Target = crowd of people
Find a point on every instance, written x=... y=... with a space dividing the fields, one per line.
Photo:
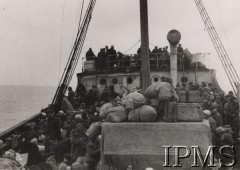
x=111 y=60
x=60 y=140
x=222 y=111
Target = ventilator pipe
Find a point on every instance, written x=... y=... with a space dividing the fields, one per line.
x=173 y=38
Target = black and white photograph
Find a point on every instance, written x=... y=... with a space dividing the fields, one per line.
x=119 y=84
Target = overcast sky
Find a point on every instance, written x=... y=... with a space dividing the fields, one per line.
x=31 y=33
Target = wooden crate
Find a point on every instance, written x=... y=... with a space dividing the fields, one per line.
x=183 y=112
x=192 y=96
x=189 y=112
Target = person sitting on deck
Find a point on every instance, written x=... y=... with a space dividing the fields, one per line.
x=78 y=140
x=90 y=55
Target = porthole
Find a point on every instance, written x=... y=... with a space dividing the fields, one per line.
x=156 y=79
x=114 y=81
x=184 y=79
x=103 y=82
x=129 y=80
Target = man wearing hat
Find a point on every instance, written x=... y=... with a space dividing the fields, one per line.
x=216 y=116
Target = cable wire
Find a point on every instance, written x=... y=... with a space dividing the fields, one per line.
x=132 y=47
x=60 y=62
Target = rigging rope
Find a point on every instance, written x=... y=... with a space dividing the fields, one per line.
x=60 y=62
x=81 y=13
x=74 y=57
x=224 y=29
x=76 y=18
x=132 y=47
x=224 y=58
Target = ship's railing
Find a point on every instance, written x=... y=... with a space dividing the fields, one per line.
x=132 y=62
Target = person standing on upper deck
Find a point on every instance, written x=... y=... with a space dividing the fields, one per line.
x=153 y=57
x=112 y=56
x=180 y=56
x=90 y=55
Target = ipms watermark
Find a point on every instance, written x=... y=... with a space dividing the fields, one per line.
x=225 y=154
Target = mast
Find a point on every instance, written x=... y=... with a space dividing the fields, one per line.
x=145 y=70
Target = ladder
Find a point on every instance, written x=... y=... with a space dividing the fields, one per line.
x=222 y=54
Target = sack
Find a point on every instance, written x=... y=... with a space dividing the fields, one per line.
x=94 y=131
x=104 y=110
x=144 y=113
x=67 y=106
x=8 y=163
x=118 y=115
x=134 y=100
x=161 y=90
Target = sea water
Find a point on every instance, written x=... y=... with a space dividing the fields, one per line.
x=18 y=103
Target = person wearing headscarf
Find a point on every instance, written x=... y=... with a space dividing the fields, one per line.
x=212 y=124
